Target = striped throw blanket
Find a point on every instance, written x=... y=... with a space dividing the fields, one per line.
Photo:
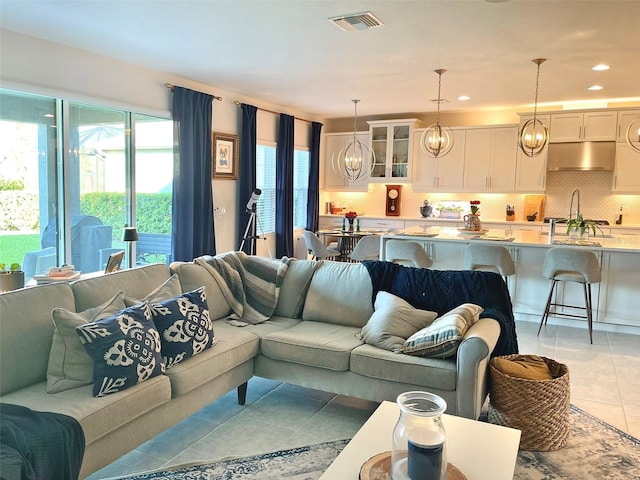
x=250 y=284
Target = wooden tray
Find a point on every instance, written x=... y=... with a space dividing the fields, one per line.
x=378 y=467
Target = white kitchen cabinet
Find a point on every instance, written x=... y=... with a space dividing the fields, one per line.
x=391 y=143
x=443 y=174
x=333 y=143
x=381 y=224
x=625 y=117
x=618 y=301
x=531 y=172
x=626 y=176
x=490 y=159
x=583 y=126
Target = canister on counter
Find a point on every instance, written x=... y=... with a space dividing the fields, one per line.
x=511 y=213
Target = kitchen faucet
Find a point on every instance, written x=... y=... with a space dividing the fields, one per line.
x=573 y=194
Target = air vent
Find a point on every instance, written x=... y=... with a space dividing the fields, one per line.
x=357 y=21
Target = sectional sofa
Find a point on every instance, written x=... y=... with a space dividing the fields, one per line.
x=312 y=339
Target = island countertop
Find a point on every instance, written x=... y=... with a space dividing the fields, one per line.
x=515 y=236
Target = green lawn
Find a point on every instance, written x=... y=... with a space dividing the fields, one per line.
x=13 y=247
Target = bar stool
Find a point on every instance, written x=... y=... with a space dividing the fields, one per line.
x=489 y=258
x=408 y=253
x=563 y=264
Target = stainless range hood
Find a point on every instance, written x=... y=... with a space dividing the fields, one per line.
x=582 y=156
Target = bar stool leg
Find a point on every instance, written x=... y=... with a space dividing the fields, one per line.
x=545 y=316
x=587 y=301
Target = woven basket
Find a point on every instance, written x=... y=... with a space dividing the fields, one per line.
x=538 y=408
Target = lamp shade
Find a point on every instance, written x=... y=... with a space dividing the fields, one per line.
x=130 y=234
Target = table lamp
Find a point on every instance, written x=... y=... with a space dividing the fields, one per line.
x=130 y=235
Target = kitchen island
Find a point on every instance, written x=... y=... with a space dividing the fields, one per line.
x=614 y=298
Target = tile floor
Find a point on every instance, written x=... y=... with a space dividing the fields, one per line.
x=605 y=381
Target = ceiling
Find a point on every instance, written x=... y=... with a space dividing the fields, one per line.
x=287 y=52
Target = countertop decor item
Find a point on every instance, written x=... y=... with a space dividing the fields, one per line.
x=534 y=135
x=426 y=210
x=436 y=140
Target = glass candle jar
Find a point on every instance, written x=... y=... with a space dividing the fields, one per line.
x=419 y=445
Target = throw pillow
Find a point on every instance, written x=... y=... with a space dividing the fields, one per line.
x=125 y=349
x=169 y=289
x=442 y=338
x=184 y=326
x=530 y=367
x=393 y=321
x=69 y=364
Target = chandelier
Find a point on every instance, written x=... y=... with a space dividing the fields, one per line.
x=436 y=140
x=633 y=134
x=534 y=135
x=356 y=160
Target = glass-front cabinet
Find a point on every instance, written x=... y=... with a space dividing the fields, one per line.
x=391 y=144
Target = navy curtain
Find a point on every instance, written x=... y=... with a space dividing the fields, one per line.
x=192 y=222
x=313 y=194
x=284 y=188
x=246 y=173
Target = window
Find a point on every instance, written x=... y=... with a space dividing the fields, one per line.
x=300 y=187
x=64 y=193
x=266 y=181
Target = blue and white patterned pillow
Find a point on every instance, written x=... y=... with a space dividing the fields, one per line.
x=184 y=325
x=125 y=349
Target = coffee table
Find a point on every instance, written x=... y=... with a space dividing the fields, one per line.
x=481 y=451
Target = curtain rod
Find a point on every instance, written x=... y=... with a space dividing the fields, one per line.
x=275 y=113
x=170 y=87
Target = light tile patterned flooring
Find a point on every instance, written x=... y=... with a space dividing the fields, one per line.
x=605 y=381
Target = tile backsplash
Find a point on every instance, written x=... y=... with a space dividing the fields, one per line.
x=596 y=199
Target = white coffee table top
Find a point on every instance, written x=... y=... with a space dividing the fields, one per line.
x=481 y=451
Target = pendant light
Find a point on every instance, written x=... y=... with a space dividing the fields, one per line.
x=633 y=134
x=356 y=160
x=534 y=135
x=436 y=140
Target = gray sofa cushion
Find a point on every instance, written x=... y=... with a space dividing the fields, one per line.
x=294 y=288
x=169 y=289
x=98 y=416
x=340 y=293
x=318 y=344
x=375 y=362
x=194 y=276
x=26 y=331
x=234 y=346
x=136 y=283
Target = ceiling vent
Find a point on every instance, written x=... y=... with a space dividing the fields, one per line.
x=357 y=21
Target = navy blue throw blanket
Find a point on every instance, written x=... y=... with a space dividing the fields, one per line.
x=443 y=290
x=39 y=445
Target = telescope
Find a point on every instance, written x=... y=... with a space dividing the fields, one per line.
x=251 y=204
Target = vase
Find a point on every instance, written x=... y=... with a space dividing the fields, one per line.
x=472 y=222
x=11 y=281
x=419 y=439
x=350 y=220
x=578 y=236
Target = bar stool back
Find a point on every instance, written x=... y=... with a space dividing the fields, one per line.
x=566 y=264
x=489 y=258
x=408 y=253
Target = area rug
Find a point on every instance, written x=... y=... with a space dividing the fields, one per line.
x=595 y=451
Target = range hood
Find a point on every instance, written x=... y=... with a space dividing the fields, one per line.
x=583 y=156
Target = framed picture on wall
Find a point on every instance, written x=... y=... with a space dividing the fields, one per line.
x=225 y=156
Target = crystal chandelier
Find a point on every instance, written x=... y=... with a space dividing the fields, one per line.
x=356 y=160
x=534 y=135
x=436 y=140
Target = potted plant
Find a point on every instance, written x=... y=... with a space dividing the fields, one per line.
x=580 y=228
x=11 y=277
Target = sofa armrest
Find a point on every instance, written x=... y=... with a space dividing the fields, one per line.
x=472 y=363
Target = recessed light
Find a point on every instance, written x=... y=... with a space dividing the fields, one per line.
x=595 y=87
x=600 y=67
x=463 y=98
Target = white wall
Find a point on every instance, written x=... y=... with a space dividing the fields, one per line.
x=32 y=65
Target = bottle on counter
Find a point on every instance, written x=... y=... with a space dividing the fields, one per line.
x=619 y=220
x=511 y=213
